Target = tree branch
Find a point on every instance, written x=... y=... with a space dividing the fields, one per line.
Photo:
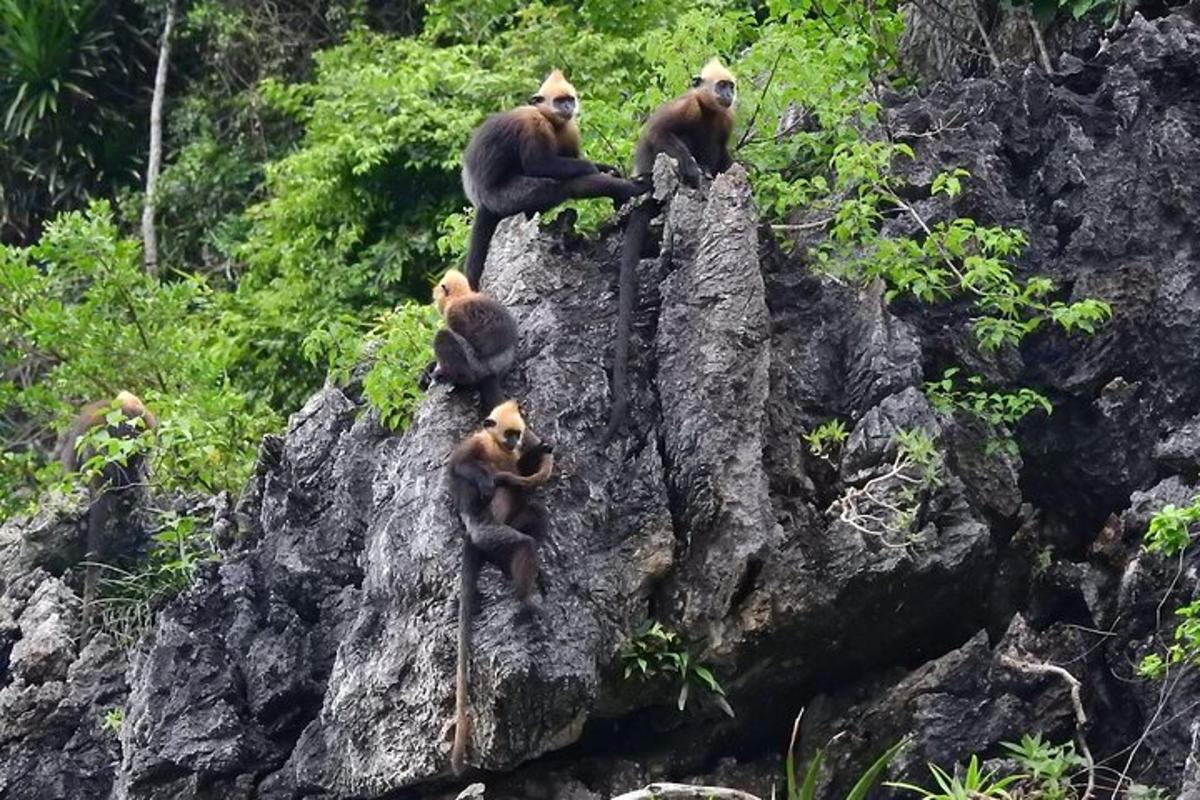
x=1076 y=703
x=154 y=165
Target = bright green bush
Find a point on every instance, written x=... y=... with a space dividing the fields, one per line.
x=79 y=321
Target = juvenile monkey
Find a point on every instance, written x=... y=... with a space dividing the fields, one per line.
x=478 y=344
x=491 y=472
x=694 y=130
x=113 y=478
x=527 y=160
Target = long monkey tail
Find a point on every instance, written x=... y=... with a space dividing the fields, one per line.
x=491 y=394
x=482 y=230
x=462 y=722
x=631 y=254
x=97 y=518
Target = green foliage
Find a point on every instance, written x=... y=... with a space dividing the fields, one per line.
x=975 y=783
x=399 y=345
x=1001 y=410
x=1050 y=767
x=658 y=654
x=67 y=111
x=826 y=440
x=129 y=598
x=113 y=720
x=959 y=259
x=1140 y=791
x=808 y=789
x=79 y=320
x=995 y=408
x=1170 y=533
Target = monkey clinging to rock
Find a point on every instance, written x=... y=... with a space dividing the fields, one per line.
x=491 y=473
x=693 y=129
x=477 y=346
x=132 y=421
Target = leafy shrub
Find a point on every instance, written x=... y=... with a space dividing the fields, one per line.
x=1170 y=533
x=1050 y=767
x=657 y=654
x=826 y=440
x=807 y=790
x=79 y=320
x=70 y=109
x=975 y=783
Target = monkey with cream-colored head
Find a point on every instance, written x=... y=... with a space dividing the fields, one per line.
x=492 y=473
x=477 y=346
x=693 y=129
x=132 y=421
x=527 y=160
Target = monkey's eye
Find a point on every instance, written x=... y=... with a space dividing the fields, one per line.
x=697 y=80
x=726 y=85
x=537 y=100
x=512 y=433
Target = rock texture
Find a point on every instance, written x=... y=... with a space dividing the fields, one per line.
x=317 y=659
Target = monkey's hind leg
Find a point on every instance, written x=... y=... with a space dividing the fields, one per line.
x=514 y=552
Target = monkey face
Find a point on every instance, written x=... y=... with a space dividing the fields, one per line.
x=717 y=84
x=556 y=98
x=506 y=426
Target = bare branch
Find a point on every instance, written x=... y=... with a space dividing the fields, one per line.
x=154 y=165
x=1075 y=686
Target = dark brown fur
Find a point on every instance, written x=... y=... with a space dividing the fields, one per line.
x=113 y=479
x=694 y=130
x=492 y=472
x=527 y=161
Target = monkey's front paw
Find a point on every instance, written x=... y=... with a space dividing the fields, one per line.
x=608 y=169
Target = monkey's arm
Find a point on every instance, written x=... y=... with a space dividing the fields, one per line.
x=466 y=465
x=536 y=479
x=539 y=161
x=664 y=141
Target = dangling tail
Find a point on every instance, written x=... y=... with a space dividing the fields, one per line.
x=482 y=230
x=631 y=254
x=491 y=394
x=97 y=517
x=462 y=722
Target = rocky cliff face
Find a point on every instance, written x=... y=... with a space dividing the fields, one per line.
x=317 y=659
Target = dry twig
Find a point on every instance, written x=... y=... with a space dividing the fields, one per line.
x=1075 y=686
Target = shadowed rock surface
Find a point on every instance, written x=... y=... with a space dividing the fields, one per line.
x=317 y=659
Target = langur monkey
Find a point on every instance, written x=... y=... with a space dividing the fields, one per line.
x=477 y=346
x=527 y=160
x=694 y=130
x=112 y=479
x=492 y=472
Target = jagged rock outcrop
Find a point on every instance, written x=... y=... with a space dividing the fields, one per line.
x=317 y=659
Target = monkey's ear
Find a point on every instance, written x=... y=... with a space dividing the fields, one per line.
x=537 y=99
x=489 y=423
x=697 y=80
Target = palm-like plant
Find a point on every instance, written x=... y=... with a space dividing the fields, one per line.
x=65 y=97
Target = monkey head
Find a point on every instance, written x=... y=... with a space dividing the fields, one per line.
x=452 y=287
x=506 y=426
x=715 y=85
x=556 y=99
